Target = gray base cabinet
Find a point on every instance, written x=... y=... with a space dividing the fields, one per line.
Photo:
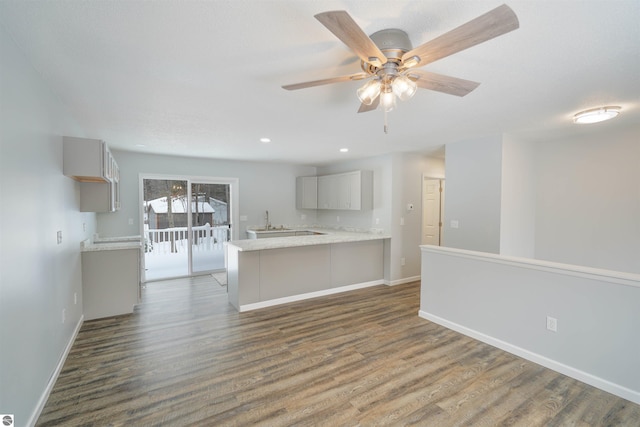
x=110 y=282
x=273 y=276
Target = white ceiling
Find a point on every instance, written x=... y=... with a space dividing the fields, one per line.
x=203 y=78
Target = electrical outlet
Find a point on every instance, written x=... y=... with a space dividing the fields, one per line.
x=59 y=236
x=402 y=261
x=84 y=226
x=552 y=324
x=337 y=219
x=377 y=221
x=130 y=221
x=75 y=298
x=64 y=314
x=454 y=223
x=402 y=221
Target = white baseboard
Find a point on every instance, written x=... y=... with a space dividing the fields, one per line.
x=585 y=377
x=278 y=301
x=54 y=377
x=402 y=281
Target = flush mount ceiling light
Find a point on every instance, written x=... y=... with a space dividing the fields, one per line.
x=344 y=150
x=595 y=115
x=265 y=140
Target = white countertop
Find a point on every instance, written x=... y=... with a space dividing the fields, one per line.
x=98 y=239
x=330 y=236
x=110 y=244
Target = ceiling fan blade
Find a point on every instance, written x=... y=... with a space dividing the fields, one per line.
x=345 y=28
x=364 y=107
x=296 y=86
x=441 y=83
x=494 y=23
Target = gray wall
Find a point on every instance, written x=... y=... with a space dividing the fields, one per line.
x=397 y=182
x=271 y=186
x=505 y=302
x=262 y=186
x=38 y=277
x=575 y=200
x=382 y=181
x=414 y=167
x=473 y=171
x=588 y=199
x=518 y=199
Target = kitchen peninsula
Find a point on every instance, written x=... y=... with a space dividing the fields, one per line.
x=277 y=270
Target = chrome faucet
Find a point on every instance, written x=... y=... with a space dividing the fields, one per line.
x=267 y=223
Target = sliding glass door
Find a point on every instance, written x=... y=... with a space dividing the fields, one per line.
x=166 y=250
x=211 y=225
x=186 y=223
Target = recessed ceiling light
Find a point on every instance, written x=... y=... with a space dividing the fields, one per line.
x=595 y=115
x=140 y=145
x=265 y=140
x=344 y=150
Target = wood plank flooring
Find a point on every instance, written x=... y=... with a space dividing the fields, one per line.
x=358 y=358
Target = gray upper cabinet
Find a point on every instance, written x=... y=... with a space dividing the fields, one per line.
x=307 y=192
x=90 y=162
x=87 y=160
x=345 y=191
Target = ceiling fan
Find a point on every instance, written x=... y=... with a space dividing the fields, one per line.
x=389 y=61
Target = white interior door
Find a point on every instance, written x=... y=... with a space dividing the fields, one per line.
x=431 y=204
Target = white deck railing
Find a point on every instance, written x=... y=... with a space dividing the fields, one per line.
x=176 y=239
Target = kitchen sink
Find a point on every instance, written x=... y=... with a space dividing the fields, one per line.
x=270 y=229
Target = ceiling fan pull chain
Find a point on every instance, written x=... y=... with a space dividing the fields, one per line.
x=386 y=126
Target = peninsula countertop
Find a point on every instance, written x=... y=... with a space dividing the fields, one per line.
x=328 y=236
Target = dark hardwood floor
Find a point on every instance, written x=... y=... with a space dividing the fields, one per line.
x=358 y=358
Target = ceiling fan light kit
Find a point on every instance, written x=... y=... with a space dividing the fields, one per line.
x=389 y=60
x=404 y=87
x=596 y=115
x=369 y=92
x=387 y=100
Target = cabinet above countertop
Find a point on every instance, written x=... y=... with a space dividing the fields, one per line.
x=342 y=191
x=87 y=160
x=90 y=162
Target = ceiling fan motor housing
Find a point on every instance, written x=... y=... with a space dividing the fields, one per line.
x=392 y=42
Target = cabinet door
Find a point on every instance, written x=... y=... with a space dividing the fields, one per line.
x=85 y=160
x=307 y=192
x=328 y=192
x=96 y=197
x=344 y=191
x=355 y=191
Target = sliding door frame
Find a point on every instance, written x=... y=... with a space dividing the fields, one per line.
x=234 y=206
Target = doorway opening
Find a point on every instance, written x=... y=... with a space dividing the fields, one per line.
x=186 y=222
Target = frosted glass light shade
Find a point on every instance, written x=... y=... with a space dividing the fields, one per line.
x=387 y=101
x=404 y=87
x=369 y=92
